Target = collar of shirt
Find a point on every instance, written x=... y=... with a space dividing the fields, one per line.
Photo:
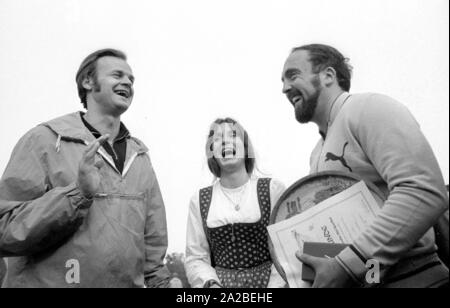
x=335 y=108
x=119 y=147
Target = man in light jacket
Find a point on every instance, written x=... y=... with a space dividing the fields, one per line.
x=80 y=204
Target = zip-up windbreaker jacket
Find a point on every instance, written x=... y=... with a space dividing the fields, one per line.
x=53 y=237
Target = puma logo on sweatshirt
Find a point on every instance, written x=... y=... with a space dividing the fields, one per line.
x=334 y=157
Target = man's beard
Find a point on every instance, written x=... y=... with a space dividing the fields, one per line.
x=306 y=110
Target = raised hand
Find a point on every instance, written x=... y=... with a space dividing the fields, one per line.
x=89 y=169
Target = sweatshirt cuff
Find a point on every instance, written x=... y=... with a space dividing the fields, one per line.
x=353 y=262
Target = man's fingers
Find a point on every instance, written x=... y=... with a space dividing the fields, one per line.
x=95 y=145
x=310 y=261
x=103 y=138
x=307 y=259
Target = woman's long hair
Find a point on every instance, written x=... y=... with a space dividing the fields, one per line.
x=242 y=133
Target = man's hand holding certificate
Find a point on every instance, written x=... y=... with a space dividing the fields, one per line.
x=339 y=219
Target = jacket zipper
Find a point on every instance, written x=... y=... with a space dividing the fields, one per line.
x=111 y=163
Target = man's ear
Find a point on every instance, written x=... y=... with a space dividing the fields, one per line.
x=329 y=76
x=87 y=83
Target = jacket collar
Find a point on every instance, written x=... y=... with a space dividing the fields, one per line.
x=71 y=128
x=123 y=131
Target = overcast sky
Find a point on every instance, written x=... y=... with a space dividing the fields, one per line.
x=201 y=59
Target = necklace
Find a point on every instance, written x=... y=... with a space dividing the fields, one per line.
x=241 y=193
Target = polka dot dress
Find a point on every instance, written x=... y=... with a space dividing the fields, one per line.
x=240 y=251
x=254 y=277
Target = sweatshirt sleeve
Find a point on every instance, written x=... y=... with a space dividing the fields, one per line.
x=394 y=143
x=33 y=215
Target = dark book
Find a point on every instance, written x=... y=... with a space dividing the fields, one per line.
x=322 y=250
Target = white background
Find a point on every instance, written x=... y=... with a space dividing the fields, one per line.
x=197 y=60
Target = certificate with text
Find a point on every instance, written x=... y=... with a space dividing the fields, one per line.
x=338 y=219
